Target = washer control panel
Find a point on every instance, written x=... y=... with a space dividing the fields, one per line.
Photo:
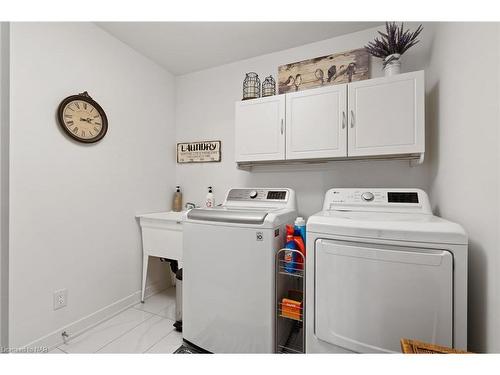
x=269 y=195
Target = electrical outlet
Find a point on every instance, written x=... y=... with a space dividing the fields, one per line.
x=60 y=299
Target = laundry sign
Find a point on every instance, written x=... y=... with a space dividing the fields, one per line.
x=199 y=152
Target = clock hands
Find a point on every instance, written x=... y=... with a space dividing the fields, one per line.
x=88 y=119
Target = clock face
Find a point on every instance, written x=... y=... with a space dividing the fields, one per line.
x=82 y=118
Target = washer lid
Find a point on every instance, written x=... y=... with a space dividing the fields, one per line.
x=229 y=215
x=386 y=225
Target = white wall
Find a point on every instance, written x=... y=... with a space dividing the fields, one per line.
x=72 y=206
x=463 y=114
x=205 y=111
x=4 y=180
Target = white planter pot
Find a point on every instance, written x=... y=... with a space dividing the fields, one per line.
x=392 y=65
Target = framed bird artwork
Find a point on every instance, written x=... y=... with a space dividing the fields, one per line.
x=332 y=69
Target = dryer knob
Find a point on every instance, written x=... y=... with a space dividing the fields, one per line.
x=367 y=196
x=253 y=194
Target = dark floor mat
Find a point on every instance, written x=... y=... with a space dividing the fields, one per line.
x=188 y=349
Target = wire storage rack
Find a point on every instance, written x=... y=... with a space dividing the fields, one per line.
x=290 y=297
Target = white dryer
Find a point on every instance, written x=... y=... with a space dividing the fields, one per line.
x=381 y=267
x=228 y=278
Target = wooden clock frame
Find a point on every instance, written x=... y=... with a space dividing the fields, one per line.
x=84 y=97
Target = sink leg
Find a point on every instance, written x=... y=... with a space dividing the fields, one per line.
x=145 y=260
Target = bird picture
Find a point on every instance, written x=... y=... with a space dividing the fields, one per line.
x=320 y=76
x=298 y=81
x=351 y=68
x=331 y=73
x=290 y=81
x=331 y=69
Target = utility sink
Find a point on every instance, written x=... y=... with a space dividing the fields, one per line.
x=167 y=216
x=161 y=237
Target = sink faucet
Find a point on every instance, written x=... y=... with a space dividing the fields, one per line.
x=190 y=205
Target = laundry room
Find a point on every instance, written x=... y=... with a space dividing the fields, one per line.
x=212 y=185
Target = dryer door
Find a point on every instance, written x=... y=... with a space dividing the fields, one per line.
x=369 y=296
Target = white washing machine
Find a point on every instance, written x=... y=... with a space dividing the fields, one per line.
x=381 y=267
x=228 y=275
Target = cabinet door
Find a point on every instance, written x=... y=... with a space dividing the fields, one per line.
x=386 y=115
x=316 y=123
x=260 y=129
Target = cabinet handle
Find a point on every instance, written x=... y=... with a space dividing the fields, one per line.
x=282 y=129
x=352 y=118
x=343 y=119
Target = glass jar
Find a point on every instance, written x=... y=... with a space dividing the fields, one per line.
x=251 y=86
x=269 y=87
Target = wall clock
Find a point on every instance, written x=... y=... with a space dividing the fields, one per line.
x=82 y=118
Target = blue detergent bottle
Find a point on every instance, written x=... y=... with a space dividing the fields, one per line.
x=299 y=230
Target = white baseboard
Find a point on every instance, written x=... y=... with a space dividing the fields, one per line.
x=54 y=339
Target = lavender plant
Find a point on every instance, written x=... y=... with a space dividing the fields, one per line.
x=395 y=40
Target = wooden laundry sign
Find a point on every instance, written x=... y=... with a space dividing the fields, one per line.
x=199 y=152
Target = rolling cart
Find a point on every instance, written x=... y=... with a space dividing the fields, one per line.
x=290 y=297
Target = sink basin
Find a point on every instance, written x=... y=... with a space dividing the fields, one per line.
x=167 y=216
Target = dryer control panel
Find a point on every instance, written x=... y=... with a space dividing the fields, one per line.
x=383 y=200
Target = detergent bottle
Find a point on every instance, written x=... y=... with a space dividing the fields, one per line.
x=300 y=228
x=299 y=260
x=300 y=240
x=289 y=258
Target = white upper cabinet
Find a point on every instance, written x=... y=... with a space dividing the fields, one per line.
x=316 y=123
x=381 y=117
x=260 y=129
x=386 y=116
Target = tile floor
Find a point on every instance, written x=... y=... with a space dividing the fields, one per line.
x=143 y=328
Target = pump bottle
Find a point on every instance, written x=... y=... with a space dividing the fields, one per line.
x=177 y=201
x=210 y=200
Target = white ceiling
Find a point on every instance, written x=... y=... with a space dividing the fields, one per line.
x=184 y=47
